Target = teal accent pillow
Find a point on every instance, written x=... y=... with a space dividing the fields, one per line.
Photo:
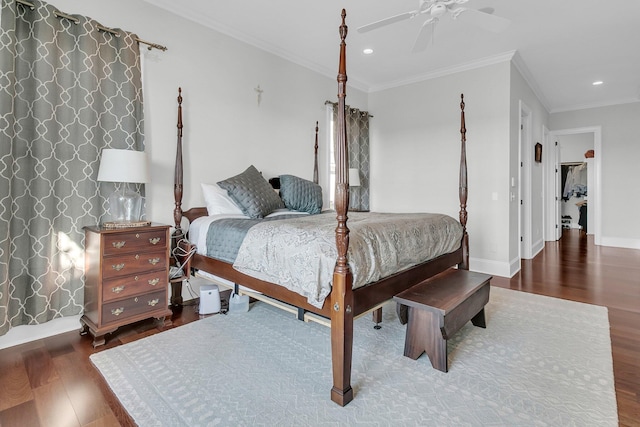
x=252 y=193
x=300 y=194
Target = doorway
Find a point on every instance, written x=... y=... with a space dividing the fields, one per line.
x=553 y=180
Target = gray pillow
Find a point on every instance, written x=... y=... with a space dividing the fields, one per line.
x=300 y=195
x=252 y=193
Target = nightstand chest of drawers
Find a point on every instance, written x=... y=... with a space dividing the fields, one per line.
x=126 y=278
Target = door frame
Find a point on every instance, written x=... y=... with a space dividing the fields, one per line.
x=524 y=180
x=595 y=195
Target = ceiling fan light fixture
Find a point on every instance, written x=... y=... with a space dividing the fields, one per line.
x=438 y=9
x=433 y=11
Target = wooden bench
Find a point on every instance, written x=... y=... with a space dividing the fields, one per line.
x=437 y=308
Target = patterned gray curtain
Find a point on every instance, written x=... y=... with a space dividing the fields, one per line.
x=67 y=90
x=358 y=145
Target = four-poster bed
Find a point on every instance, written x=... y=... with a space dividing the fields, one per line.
x=343 y=303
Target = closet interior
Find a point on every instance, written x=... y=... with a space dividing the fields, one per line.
x=574 y=195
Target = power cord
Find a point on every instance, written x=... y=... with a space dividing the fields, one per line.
x=196 y=305
x=180 y=253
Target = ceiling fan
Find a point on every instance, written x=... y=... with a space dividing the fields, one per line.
x=436 y=9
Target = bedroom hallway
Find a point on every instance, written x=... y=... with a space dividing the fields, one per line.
x=51 y=381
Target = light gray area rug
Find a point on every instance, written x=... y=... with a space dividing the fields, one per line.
x=541 y=362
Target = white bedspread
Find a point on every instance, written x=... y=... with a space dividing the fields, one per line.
x=300 y=253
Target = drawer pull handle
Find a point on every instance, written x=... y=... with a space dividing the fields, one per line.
x=119 y=245
x=155 y=281
x=154 y=261
x=154 y=240
x=153 y=302
x=117 y=311
x=117 y=289
x=137 y=235
x=117 y=267
x=137 y=256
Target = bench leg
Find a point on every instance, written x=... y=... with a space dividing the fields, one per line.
x=376 y=316
x=478 y=319
x=402 y=312
x=423 y=335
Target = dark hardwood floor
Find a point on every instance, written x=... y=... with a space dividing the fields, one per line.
x=51 y=382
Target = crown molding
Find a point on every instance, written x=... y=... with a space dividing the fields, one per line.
x=483 y=62
x=594 y=105
x=518 y=62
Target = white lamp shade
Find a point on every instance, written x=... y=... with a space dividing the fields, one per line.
x=123 y=166
x=354 y=177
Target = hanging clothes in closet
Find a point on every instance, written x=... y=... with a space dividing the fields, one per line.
x=575 y=184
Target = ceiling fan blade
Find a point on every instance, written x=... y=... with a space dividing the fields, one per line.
x=387 y=21
x=425 y=36
x=484 y=20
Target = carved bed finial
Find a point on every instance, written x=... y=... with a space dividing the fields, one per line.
x=342 y=69
x=315 y=157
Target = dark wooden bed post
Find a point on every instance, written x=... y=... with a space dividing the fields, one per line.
x=315 y=157
x=178 y=234
x=342 y=292
x=177 y=178
x=463 y=188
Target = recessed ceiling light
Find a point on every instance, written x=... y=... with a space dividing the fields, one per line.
x=367 y=51
x=597 y=83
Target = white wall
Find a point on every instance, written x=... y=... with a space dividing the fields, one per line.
x=619 y=196
x=573 y=146
x=415 y=154
x=414 y=135
x=225 y=130
x=533 y=193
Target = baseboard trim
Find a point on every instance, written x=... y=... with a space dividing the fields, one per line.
x=27 y=333
x=537 y=248
x=495 y=268
x=620 y=242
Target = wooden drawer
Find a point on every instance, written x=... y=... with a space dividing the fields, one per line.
x=134 y=263
x=138 y=284
x=131 y=241
x=126 y=278
x=117 y=310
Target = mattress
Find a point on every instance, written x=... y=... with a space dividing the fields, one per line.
x=300 y=253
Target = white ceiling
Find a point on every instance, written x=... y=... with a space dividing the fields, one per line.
x=561 y=46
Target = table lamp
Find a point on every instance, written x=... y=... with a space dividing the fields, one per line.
x=354 y=177
x=124 y=166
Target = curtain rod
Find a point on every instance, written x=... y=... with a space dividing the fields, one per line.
x=26 y=3
x=335 y=103
x=59 y=14
x=139 y=40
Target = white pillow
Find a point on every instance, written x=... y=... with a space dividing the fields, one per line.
x=218 y=201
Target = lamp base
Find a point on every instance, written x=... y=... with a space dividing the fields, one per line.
x=114 y=225
x=125 y=205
